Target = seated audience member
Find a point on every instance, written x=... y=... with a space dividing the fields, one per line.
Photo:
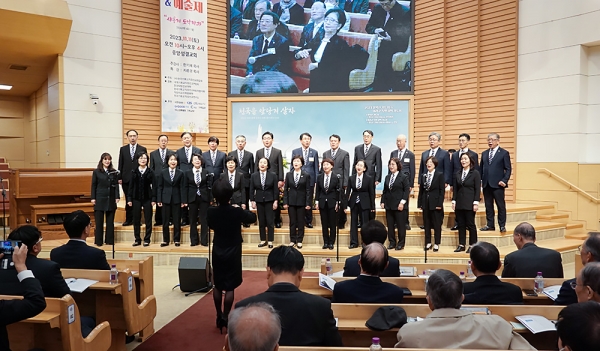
x=590 y=252
x=355 y=6
x=314 y=29
x=46 y=271
x=235 y=22
x=289 y=12
x=372 y=231
x=449 y=327
x=578 y=327
x=306 y=320
x=530 y=259
x=368 y=287
x=253 y=27
x=587 y=283
x=33 y=302
x=76 y=253
x=333 y=4
x=246 y=7
x=268 y=83
x=253 y=327
x=270 y=50
x=487 y=289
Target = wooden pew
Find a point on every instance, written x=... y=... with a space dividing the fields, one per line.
x=456 y=268
x=143 y=274
x=39 y=210
x=54 y=330
x=115 y=303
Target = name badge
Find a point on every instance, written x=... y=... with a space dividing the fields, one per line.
x=311 y=159
x=406 y=159
x=271 y=51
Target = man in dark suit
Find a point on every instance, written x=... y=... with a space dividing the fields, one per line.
x=371 y=154
x=355 y=6
x=441 y=155
x=274 y=47
x=529 y=258
x=289 y=12
x=487 y=289
x=463 y=147
x=311 y=166
x=76 y=253
x=372 y=232
x=495 y=172
x=253 y=29
x=306 y=320
x=407 y=159
x=589 y=252
x=314 y=29
x=276 y=161
x=368 y=287
x=341 y=166
x=245 y=163
x=214 y=160
x=33 y=302
x=246 y=7
x=245 y=323
x=184 y=163
x=127 y=164
x=158 y=162
x=235 y=22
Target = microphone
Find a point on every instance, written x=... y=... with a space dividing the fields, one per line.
x=252 y=59
x=115 y=171
x=339 y=176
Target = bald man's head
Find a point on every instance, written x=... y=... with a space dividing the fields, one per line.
x=255 y=327
x=373 y=259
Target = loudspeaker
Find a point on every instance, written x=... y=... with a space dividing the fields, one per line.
x=193 y=273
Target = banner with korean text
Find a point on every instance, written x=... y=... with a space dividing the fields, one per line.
x=184 y=66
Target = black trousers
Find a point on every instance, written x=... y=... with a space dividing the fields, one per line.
x=266 y=217
x=433 y=219
x=491 y=195
x=327 y=213
x=158 y=216
x=308 y=216
x=137 y=219
x=198 y=210
x=465 y=219
x=406 y=211
x=341 y=212
x=110 y=227
x=277 y=214
x=395 y=218
x=296 y=214
x=128 y=209
x=357 y=213
x=174 y=211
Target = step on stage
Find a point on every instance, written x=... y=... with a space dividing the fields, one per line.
x=553 y=230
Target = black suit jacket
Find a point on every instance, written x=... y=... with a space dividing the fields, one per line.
x=398 y=26
x=456 y=166
x=296 y=13
x=307 y=34
x=77 y=254
x=248 y=12
x=269 y=194
x=356 y=6
x=306 y=320
x=435 y=195
x=239 y=192
x=467 y=191
x=530 y=259
x=498 y=170
x=489 y=290
x=366 y=192
x=310 y=167
x=191 y=188
x=171 y=192
x=105 y=190
x=373 y=160
x=235 y=22
x=327 y=198
x=352 y=268
x=183 y=163
x=218 y=167
x=126 y=163
x=247 y=165
x=408 y=164
x=566 y=295
x=12 y=311
x=46 y=271
x=300 y=195
x=275 y=160
x=156 y=163
x=141 y=186
x=254 y=30
x=443 y=166
x=341 y=164
x=280 y=61
x=391 y=197
x=366 y=289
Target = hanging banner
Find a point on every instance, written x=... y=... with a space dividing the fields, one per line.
x=184 y=66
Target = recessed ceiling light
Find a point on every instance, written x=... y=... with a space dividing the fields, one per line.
x=5 y=87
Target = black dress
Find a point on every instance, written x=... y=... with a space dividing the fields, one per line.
x=226 y=222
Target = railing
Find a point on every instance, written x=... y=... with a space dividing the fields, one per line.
x=569 y=184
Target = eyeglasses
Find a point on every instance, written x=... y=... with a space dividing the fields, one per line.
x=266 y=21
x=39 y=241
x=330 y=20
x=491 y=139
x=574 y=285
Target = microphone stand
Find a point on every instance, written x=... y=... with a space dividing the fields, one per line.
x=3 y=208
x=423 y=211
x=113 y=184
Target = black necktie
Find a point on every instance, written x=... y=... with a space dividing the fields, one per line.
x=264 y=50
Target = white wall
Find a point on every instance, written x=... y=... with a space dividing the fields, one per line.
x=92 y=65
x=558 y=109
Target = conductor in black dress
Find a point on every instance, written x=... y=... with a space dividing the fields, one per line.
x=361 y=199
x=465 y=200
x=431 y=201
x=105 y=196
x=127 y=163
x=197 y=188
x=226 y=221
x=394 y=199
x=297 y=197
x=264 y=196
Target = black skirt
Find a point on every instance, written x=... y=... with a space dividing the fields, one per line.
x=227 y=267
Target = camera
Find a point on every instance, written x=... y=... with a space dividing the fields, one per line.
x=95 y=99
x=7 y=248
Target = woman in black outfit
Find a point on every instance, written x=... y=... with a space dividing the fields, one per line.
x=326 y=200
x=198 y=199
x=431 y=201
x=297 y=197
x=171 y=197
x=264 y=195
x=235 y=176
x=105 y=196
x=465 y=201
x=226 y=222
x=140 y=196
x=361 y=199
x=393 y=200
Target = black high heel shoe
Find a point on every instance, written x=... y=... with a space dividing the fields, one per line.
x=221 y=323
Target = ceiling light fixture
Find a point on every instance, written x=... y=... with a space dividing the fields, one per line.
x=5 y=87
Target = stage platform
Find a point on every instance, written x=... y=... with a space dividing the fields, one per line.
x=554 y=230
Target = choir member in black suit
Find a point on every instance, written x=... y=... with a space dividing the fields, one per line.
x=245 y=164
x=236 y=180
x=105 y=196
x=442 y=156
x=275 y=158
x=361 y=199
x=371 y=156
x=141 y=196
x=226 y=221
x=197 y=184
x=184 y=159
x=341 y=166
x=158 y=162
x=264 y=195
x=214 y=160
x=127 y=163
x=407 y=160
x=431 y=202
x=171 y=197
x=393 y=200
x=495 y=172
x=297 y=197
x=463 y=147
x=327 y=199
x=310 y=165
x=465 y=201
